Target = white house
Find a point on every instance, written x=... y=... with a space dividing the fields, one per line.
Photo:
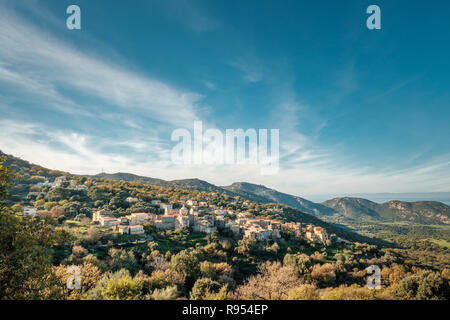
x=138 y=218
x=220 y=212
x=137 y=229
x=191 y=202
x=29 y=211
x=80 y=187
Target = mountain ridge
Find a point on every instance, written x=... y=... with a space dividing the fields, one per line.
x=352 y=208
x=425 y=212
x=279 y=197
x=30 y=171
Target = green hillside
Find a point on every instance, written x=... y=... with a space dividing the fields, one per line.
x=422 y=212
x=245 y=189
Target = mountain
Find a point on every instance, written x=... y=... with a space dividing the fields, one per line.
x=254 y=192
x=424 y=212
x=188 y=184
x=132 y=178
x=29 y=170
x=353 y=207
x=248 y=191
x=24 y=167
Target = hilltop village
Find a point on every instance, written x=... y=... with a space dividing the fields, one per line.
x=191 y=215
x=188 y=240
x=201 y=217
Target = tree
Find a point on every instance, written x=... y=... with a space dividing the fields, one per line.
x=304 y=292
x=57 y=194
x=72 y=209
x=93 y=235
x=224 y=273
x=118 y=202
x=56 y=211
x=90 y=258
x=186 y=263
x=272 y=283
x=123 y=288
x=25 y=249
x=353 y=292
x=215 y=236
x=5 y=182
x=122 y=259
x=168 y=293
x=25 y=256
x=204 y=287
x=17 y=208
x=96 y=194
x=301 y=262
x=156 y=261
x=426 y=286
x=208 y=269
x=394 y=274
x=324 y=275
x=248 y=246
x=96 y=293
x=223 y=294
x=39 y=204
x=407 y=288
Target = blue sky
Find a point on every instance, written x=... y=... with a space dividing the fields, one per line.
x=358 y=110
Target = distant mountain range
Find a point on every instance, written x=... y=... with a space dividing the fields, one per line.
x=351 y=208
x=189 y=184
x=248 y=190
x=424 y=212
x=443 y=197
x=27 y=170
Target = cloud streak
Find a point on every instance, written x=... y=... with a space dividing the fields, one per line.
x=43 y=67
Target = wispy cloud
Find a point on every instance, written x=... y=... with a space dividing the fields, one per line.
x=210 y=85
x=394 y=88
x=43 y=66
x=41 y=73
x=81 y=153
x=252 y=72
x=84 y=154
x=191 y=14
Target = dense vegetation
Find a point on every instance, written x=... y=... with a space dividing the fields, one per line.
x=424 y=212
x=35 y=253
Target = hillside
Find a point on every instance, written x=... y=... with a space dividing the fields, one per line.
x=132 y=178
x=289 y=213
x=354 y=208
x=26 y=168
x=187 y=184
x=245 y=189
x=423 y=212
